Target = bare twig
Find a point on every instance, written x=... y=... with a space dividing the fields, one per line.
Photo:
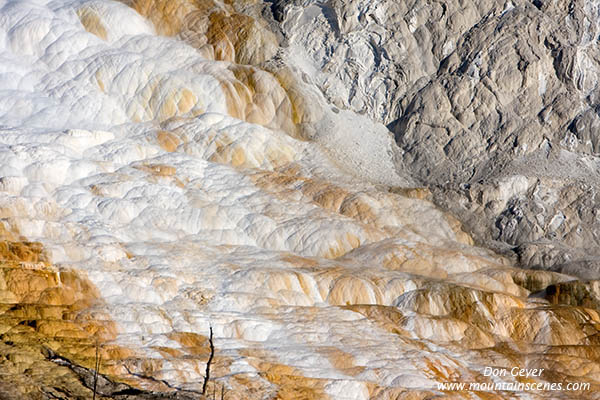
x=210 y=358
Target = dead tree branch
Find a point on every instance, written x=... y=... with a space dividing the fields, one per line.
x=210 y=358
x=96 y=368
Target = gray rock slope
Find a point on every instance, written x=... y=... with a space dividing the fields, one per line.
x=494 y=106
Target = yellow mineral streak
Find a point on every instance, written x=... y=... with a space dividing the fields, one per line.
x=354 y=290
x=221 y=33
x=159 y=170
x=291 y=383
x=166 y=15
x=256 y=96
x=556 y=326
x=92 y=23
x=389 y=318
x=168 y=141
x=187 y=100
x=214 y=27
x=245 y=151
x=457 y=228
x=356 y=207
x=325 y=194
x=287 y=80
x=562 y=340
x=373 y=212
x=100 y=81
x=341 y=246
x=342 y=361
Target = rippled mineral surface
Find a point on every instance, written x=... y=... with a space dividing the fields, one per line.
x=292 y=175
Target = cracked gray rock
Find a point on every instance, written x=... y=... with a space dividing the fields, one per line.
x=519 y=79
x=371 y=57
x=494 y=106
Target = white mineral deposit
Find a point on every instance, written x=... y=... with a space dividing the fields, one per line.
x=254 y=199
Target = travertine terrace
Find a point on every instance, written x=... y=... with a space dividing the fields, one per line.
x=264 y=169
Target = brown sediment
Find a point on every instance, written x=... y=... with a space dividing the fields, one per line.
x=96 y=190
x=160 y=170
x=348 y=290
x=226 y=33
x=197 y=347
x=227 y=152
x=562 y=325
x=238 y=157
x=574 y=293
x=46 y=309
x=175 y=102
x=241 y=94
x=233 y=36
x=419 y=259
x=355 y=207
x=187 y=100
x=193 y=343
x=168 y=352
x=221 y=148
x=421 y=193
x=392 y=320
x=164 y=102
x=236 y=98
x=276 y=182
x=536 y=280
x=561 y=364
x=329 y=197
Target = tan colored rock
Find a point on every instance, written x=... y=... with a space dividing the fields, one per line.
x=92 y=22
x=214 y=27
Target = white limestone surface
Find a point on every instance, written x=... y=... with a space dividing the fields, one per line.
x=118 y=153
